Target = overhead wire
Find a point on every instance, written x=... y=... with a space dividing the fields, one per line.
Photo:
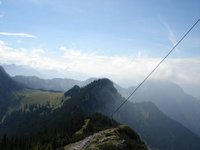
x=156 y=67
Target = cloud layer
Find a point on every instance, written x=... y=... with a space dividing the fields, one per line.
x=123 y=70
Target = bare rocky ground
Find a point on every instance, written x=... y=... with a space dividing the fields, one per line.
x=120 y=138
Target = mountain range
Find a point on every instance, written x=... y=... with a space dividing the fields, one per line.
x=167 y=96
x=39 y=125
x=44 y=117
x=14 y=70
x=55 y=84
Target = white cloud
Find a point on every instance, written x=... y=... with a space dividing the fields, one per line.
x=31 y=57
x=72 y=53
x=171 y=36
x=126 y=71
x=18 y=34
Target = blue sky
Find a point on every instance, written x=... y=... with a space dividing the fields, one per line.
x=119 y=39
x=108 y=27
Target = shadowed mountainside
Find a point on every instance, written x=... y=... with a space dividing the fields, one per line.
x=7 y=87
x=171 y=100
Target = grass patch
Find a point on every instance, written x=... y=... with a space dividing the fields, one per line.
x=30 y=97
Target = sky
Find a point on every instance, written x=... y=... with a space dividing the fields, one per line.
x=119 y=39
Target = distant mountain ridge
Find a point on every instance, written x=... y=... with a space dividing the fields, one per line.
x=173 y=101
x=24 y=70
x=56 y=84
x=46 y=84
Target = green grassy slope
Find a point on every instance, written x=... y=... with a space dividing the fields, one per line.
x=40 y=97
x=27 y=97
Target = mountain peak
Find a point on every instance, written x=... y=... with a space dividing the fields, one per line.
x=103 y=82
x=98 y=96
